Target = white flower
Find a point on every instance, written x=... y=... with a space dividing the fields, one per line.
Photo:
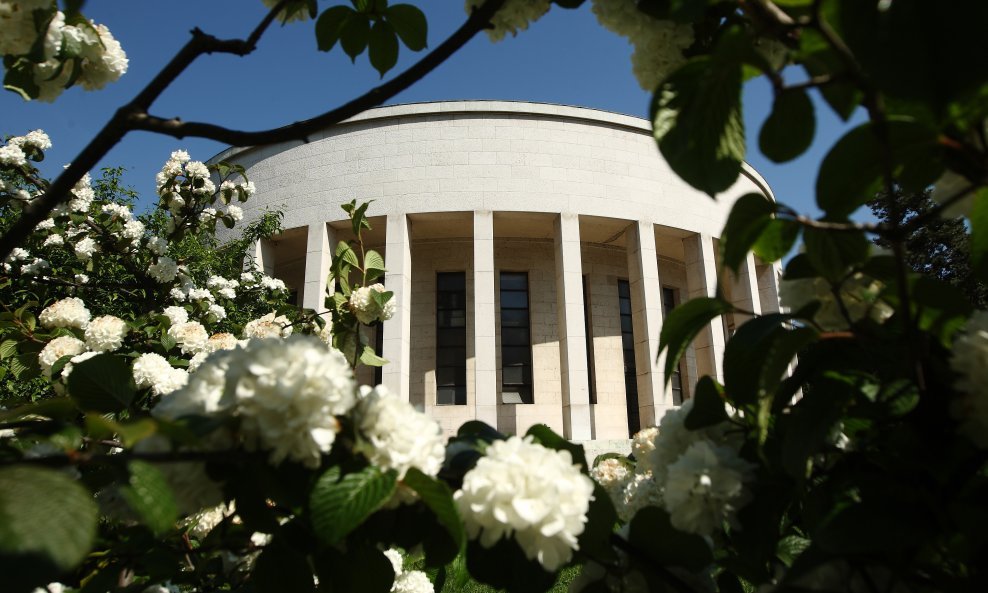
x=18 y=254
x=394 y=435
x=222 y=341
x=705 y=487
x=81 y=279
x=190 y=336
x=613 y=475
x=53 y=240
x=247 y=278
x=68 y=312
x=36 y=140
x=286 y=394
x=673 y=439
x=366 y=308
x=180 y=157
x=83 y=195
x=196 y=169
x=107 y=65
x=293 y=12
x=164 y=270
x=157 y=245
x=34 y=267
x=412 y=581
x=117 y=211
x=17 y=30
x=970 y=360
x=200 y=294
x=532 y=492
x=176 y=315
x=106 y=333
x=268 y=326
x=56 y=349
x=235 y=212
x=859 y=295
x=216 y=313
x=44 y=225
x=642 y=445
x=85 y=249
x=152 y=370
x=248 y=188
x=133 y=230
x=513 y=16
x=12 y=156
x=272 y=284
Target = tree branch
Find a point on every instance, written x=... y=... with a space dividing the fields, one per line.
x=300 y=130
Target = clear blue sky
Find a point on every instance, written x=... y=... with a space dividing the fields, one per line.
x=564 y=58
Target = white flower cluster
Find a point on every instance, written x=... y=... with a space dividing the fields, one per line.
x=268 y=326
x=659 y=44
x=106 y=333
x=20 y=148
x=970 y=361
x=392 y=434
x=513 y=16
x=286 y=395
x=22 y=258
x=86 y=53
x=536 y=494
x=859 y=296
x=58 y=348
x=69 y=312
x=295 y=11
x=365 y=307
x=153 y=371
x=630 y=490
x=223 y=287
x=186 y=190
x=407 y=581
x=190 y=336
x=698 y=472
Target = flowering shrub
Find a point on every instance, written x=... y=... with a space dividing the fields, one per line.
x=173 y=425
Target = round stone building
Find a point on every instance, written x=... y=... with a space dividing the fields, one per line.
x=533 y=251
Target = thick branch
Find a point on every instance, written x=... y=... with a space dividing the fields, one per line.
x=300 y=130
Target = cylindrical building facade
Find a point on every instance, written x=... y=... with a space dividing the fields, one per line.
x=533 y=251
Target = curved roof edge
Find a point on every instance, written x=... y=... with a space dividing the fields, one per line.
x=588 y=114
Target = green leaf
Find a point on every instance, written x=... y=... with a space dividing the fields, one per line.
x=347 y=254
x=329 y=27
x=410 y=24
x=150 y=496
x=789 y=130
x=708 y=405
x=776 y=240
x=354 y=35
x=653 y=534
x=280 y=568
x=504 y=566
x=383 y=47
x=340 y=505
x=696 y=120
x=979 y=233
x=833 y=254
x=362 y=567
x=438 y=497
x=370 y=358
x=595 y=541
x=102 y=384
x=373 y=261
x=852 y=172
x=8 y=348
x=549 y=439
x=47 y=524
x=682 y=325
x=749 y=216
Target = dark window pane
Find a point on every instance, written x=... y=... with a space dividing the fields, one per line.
x=625 y=306
x=446 y=376
x=514 y=318
x=451 y=337
x=452 y=318
x=461 y=394
x=518 y=375
x=514 y=300
x=515 y=355
x=624 y=289
x=446 y=395
x=451 y=281
x=452 y=356
x=626 y=325
x=514 y=281
x=628 y=341
x=514 y=336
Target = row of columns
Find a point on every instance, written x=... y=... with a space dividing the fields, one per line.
x=654 y=395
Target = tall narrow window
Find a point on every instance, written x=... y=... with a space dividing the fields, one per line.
x=451 y=338
x=516 y=340
x=588 y=331
x=628 y=346
x=676 y=381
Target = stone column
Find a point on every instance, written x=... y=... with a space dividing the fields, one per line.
x=484 y=346
x=654 y=397
x=701 y=281
x=318 y=257
x=572 y=329
x=768 y=286
x=744 y=290
x=397 y=330
x=264 y=256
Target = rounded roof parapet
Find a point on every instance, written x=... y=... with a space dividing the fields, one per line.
x=481 y=106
